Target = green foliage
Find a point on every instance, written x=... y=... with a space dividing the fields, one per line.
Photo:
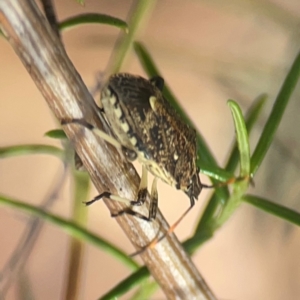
x=92 y=19
x=56 y=134
x=222 y=200
x=70 y=227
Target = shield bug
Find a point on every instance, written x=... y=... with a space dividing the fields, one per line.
x=148 y=128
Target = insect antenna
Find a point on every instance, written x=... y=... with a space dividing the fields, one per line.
x=157 y=239
x=171 y=229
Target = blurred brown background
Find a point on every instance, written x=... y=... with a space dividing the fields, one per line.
x=208 y=52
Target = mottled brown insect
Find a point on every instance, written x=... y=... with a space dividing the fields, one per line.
x=148 y=129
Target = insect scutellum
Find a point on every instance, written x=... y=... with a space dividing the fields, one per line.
x=148 y=129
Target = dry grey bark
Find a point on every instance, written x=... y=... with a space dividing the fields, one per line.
x=47 y=63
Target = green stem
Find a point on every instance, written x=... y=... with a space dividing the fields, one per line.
x=76 y=247
x=71 y=228
x=141 y=11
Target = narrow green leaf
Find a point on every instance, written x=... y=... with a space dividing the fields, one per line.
x=275 y=117
x=251 y=117
x=205 y=228
x=218 y=210
x=81 y=192
x=240 y=186
x=274 y=209
x=71 y=228
x=81 y=184
x=146 y=290
x=127 y=284
x=92 y=19
x=242 y=138
x=56 y=134
x=30 y=149
x=146 y=60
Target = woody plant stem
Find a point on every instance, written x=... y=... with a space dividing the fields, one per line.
x=46 y=61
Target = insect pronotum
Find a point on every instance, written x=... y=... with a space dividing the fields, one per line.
x=147 y=128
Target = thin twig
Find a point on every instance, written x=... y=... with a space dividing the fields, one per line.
x=55 y=76
x=22 y=251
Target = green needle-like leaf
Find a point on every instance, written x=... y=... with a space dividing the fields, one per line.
x=56 y=134
x=251 y=117
x=71 y=228
x=140 y=12
x=217 y=212
x=93 y=19
x=240 y=186
x=30 y=149
x=205 y=229
x=242 y=138
x=275 y=117
x=274 y=209
x=146 y=60
x=77 y=247
x=145 y=290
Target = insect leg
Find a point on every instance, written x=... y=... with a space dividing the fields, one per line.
x=141 y=198
x=153 y=200
x=129 y=211
x=89 y=126
x=172 y=228
x=130 y=154
x=157 y=239
x=142 y=195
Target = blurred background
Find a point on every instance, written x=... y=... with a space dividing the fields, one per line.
x=208 y=52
